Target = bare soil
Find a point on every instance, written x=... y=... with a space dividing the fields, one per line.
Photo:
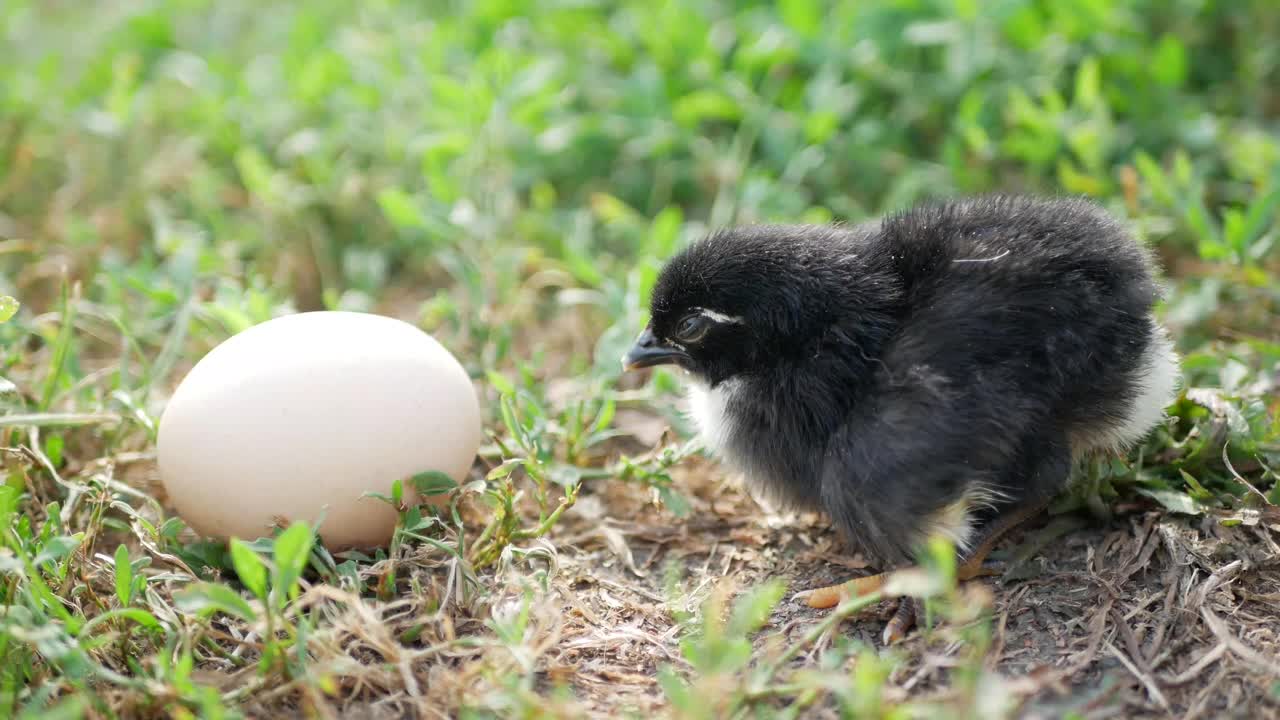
x=1148 y=615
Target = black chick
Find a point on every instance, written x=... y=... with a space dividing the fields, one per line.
x=936 y=371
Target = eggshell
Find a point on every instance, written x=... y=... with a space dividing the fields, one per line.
x=301 y=415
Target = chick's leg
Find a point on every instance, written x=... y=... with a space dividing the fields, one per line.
x=832 y=595
x=971 y=563
x=910 y=609
x=1050 y=466
x=931 y=456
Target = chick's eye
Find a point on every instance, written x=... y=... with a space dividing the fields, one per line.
x=691 y=328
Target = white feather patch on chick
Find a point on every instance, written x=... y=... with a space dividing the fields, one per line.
x=720 y=317
x=709 y=410
x=1160 y=386
x=1160 y=383
x=956 y=522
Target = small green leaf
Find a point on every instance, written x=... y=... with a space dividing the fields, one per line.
x=676 y=502
x=501 y=383
x=505 y=469
x=1169 y=63
x=752 y=610
x=205 y=554
x=940 y=557
x=566 y=476
x=733 y=655
x=249 y=567
x=1174 y=501
x=57 y=548
x=605 y=417
x=257 y=174
x=664 y=232
x=53 y=447
x=432 y=482
x=509 y=419
x=400 y=208
x=413 y=520
x=1258 y=218
x=138 y=615
x=1088 y=84
x=124 y=576
x=1154 y=177
x=8 y=504
x=8 y=308
x=612 y=210
x=171 y=528
x=379 y=496
x=820 y=125
x=61 y=350
x=1198 y=491
x=293 y=550
x=182 y=669
x=701 y=105
x=803 y=16
x=676 y=689
x=206 y=598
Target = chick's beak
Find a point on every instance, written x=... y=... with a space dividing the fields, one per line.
x=649 y=351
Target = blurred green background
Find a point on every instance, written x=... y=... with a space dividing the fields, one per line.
x=511 y=174
x=324 y=153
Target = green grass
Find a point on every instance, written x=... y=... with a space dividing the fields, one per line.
x=511 y=175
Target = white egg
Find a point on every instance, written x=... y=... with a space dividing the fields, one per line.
x=297 y=418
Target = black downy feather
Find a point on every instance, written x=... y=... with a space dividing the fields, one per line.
x=881 y=372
